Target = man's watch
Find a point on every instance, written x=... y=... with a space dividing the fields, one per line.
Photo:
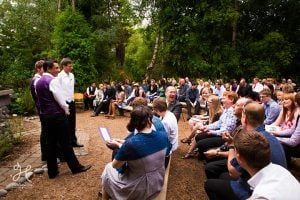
x=218 y=150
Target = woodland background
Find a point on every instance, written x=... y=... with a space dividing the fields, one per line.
x=134 y=39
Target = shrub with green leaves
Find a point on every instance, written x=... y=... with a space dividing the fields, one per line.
x=10 y=135
x=22 y=102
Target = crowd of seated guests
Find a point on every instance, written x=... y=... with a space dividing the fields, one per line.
x=221 y=112
x=256 y=105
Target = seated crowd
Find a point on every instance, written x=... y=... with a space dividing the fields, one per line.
x=242 y=131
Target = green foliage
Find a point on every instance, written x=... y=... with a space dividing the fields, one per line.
x=72 y=38
x=22 y=102
x=269 y=56
x=138 y=56
x=198 y=37
x=214 y=39
x=24 y=29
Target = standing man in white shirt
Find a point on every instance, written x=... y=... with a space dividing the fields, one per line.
x=67 y=81
x=267 y=179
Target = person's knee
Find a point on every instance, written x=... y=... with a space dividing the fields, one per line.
x=209 y=186
x=209 y=170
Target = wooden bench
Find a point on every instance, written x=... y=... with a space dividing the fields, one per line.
x=78 y=98
x=183 y=107
x=163 y=193
x=130 y=108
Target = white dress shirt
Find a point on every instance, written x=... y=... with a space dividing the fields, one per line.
x=258 y=87
x=37 y=77
x=274 y=182
x=170 y=123
x=67 y=81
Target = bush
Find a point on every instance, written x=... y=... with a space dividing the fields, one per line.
x=10 y=135
x=22 y=102
x=6 y=141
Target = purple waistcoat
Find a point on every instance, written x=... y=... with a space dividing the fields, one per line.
x=33 y=94
x=48 y=105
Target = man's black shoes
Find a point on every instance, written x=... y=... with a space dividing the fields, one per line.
x=76 y=144
x=81 y=169
x=53 y=175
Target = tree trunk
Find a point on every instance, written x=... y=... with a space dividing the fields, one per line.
x=59 y=5
x=73 y=5
x=234 y=26
x=120 y=54
x=154 y=55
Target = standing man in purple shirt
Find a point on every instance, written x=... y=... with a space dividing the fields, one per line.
x=53 y=111
x=272 y=109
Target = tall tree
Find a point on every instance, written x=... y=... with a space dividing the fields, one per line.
x=72 y=37
x=24 y=37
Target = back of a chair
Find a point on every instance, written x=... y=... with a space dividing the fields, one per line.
x=78 y=97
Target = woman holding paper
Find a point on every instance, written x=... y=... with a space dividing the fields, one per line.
x=137 y=171
x=215 y=111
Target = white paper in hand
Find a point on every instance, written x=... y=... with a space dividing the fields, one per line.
x=104 y=134
x=272 y=128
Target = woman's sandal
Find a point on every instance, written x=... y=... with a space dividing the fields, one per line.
x=189 y=155
x=100 y=194
x=186 y=140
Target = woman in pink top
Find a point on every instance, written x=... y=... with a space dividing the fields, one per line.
x=287 y=117
x=291 y=145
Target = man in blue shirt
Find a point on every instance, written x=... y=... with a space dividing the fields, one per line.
x=272 y=109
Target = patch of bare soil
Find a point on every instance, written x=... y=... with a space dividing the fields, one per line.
x=187 y=176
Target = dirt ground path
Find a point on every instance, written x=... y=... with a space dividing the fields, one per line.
x=185 y=179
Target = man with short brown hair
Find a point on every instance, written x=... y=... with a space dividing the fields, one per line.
x=168 y=119
x=272 y=109
x=67 y=81
x=253 y=154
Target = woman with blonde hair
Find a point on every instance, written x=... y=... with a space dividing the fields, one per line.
x=215 y=111
x=287 y=117
x=204 y=94
x=214 y=108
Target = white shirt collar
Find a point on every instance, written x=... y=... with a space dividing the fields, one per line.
x=151 y=129
x=37 y=75
x=255 y=180
x=48 y=74
x=65 y=73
